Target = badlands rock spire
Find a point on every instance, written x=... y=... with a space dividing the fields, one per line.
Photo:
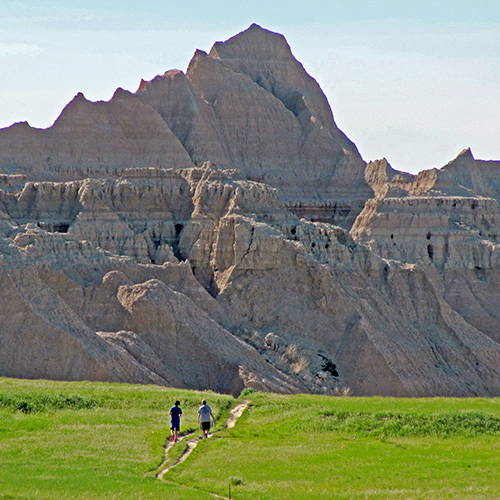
x=161 y=236
x=248 y=105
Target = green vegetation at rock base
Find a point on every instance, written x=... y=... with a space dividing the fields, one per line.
x=62 y=440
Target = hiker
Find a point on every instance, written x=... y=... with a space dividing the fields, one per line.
x=175 y=421
x=204 y=414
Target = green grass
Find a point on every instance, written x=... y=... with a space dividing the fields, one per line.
x=90 y=441
x=106 y=441
x=310 y=447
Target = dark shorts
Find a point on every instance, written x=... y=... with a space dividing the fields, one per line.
x=205 y=426
x=176 y=426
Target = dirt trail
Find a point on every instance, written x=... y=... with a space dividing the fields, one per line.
x=236 y=413
x=191 y=445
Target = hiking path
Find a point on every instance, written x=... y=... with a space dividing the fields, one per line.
x=235 y=414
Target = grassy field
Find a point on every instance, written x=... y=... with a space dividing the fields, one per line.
x=90 y=441
x=106 y=441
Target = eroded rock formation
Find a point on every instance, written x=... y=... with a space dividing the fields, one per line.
x=161 y=237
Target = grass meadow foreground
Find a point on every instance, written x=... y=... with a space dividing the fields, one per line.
x=106 y=441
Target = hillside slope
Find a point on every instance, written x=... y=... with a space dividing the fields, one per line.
x=217 y=229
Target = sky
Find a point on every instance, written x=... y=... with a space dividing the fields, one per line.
x=414 y=82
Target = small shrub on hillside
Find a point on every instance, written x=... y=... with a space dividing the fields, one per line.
x=247 y=391
x=36 y=403
x=236 y=481
x=410 y=424
x=291 y=353
x=328 y=366
x=342 y=391
x=301 y=365
x=295 y=358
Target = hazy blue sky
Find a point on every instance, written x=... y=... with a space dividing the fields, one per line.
x=415 y=82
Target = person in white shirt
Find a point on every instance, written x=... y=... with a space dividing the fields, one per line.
x=204 y=414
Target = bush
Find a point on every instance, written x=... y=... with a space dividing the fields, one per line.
x=37 y=403
x=444 y=425
x=246 y=391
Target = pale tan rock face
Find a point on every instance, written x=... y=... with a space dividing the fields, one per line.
x=447 y=222
x=157 y=238
x=448 y=218
x=447 y=232
x=188 y=115
x=249 y=105
x=311 y=284
x=43 y=338
x=258 y=90
x=111 y=329
x=462 y=177
x=267 y=59
x=93 y=139
x=387 y=182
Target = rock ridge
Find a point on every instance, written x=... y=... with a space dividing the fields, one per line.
x=217 y=230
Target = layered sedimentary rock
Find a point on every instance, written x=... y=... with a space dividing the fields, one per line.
x=72 y=312
x=217 y=230
x=449 y=218
x=311 y=284
x=464 y=176
x=92 y=139
x=448 y=232
x=447 y=222
x=249 y=105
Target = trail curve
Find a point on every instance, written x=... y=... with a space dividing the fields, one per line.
x=235 y=414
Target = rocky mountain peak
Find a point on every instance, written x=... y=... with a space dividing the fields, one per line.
x=254 y=43
x=267 y=59
x=218 y=221
x=222 y=110
x=463 y=158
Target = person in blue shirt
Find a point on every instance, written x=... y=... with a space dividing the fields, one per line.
x=175 y=421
